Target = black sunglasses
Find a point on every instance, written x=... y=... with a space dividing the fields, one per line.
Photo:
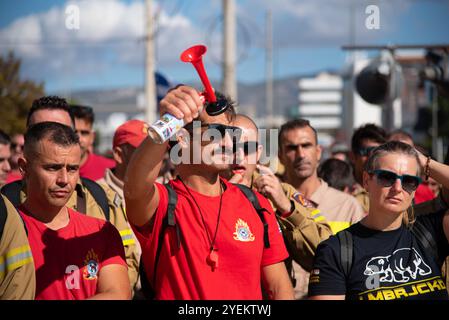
x=15 y=145
x=387 y=178
x=366 y=151
x=249 y=147
x=234 y=132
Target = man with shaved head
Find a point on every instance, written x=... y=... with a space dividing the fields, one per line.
x=303 y=228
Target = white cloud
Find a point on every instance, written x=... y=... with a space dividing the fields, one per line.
x=111 y=32
x=311 y=23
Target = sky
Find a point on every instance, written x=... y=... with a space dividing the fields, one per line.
x=107 y=50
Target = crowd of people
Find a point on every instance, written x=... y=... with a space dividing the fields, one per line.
x=368 y=223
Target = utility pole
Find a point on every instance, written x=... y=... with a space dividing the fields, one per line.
x=150 y=81
x=229 y=48
x=269 y=70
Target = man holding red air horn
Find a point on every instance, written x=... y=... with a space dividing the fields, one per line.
x=201 y=236
x=215 y=245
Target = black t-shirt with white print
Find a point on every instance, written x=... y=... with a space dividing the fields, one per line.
x=386 y=265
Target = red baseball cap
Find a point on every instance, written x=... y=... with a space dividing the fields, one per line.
x=132 y=132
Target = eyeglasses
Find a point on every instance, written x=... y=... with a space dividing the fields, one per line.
x=366 y=151
x=247 y=146
x=387 y=178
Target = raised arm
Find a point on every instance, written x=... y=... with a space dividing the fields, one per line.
x=141 y=195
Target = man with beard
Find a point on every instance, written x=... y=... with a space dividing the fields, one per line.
x=214 y=245
x=75 y=256
x=300 y=153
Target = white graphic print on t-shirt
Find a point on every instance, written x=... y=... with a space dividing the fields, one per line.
x=398 y=267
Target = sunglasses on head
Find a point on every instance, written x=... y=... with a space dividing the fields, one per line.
x=366 y=151
x=249 y=147
x=387 y=178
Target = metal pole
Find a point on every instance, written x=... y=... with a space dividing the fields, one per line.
x=269 y=70
x=229 y=45
x=150 y=81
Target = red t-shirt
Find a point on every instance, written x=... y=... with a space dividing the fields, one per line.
x=183 y=272
x=95 y=166
x=423 y=194
x=67 y=261
x=13 y=176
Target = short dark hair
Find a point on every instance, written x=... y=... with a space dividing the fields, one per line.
x=337 y=173
x=83 y=112
x=296 y=124
x=4 y=138
x=369 y=131
x=57 y=133
x=49 y=103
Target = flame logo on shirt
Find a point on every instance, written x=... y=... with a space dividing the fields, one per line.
x=91 y=263
x=242 y=231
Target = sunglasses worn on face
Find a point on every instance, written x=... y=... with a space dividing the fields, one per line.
x=16 y=145
x=366 y=151
x=387 y=178
x=248 y=147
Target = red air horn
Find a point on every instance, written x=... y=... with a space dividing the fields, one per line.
x=194 y=55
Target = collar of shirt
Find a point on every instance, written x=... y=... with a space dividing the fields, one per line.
x=319 y=193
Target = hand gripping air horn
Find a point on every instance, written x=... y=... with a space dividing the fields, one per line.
x=164 y=128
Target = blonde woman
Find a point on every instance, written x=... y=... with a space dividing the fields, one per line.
x=387 y=255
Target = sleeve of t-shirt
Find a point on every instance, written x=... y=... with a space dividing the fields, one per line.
x=277 y=251
x=145 y=234
x=327 y=277
x=114 y=253
x=434 y=223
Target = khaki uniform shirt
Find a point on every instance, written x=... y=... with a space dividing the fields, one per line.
x=17 y=276
x=340 y=209
x=114 y=191
x=361 y=195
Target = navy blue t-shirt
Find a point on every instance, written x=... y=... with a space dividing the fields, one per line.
x=386 y=265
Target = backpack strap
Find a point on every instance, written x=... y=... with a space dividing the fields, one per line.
x=425 y=238
x=169 y=221
x=3 y=216
x=99 y=195
x=12 y=192
x=251 y=196
x=346 y=250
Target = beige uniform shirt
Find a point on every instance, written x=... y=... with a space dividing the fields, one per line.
x=17 y=276
x=361 y=195
x=340 y=209
x=114 y=191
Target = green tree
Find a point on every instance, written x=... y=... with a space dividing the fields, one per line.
x=16 y=95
